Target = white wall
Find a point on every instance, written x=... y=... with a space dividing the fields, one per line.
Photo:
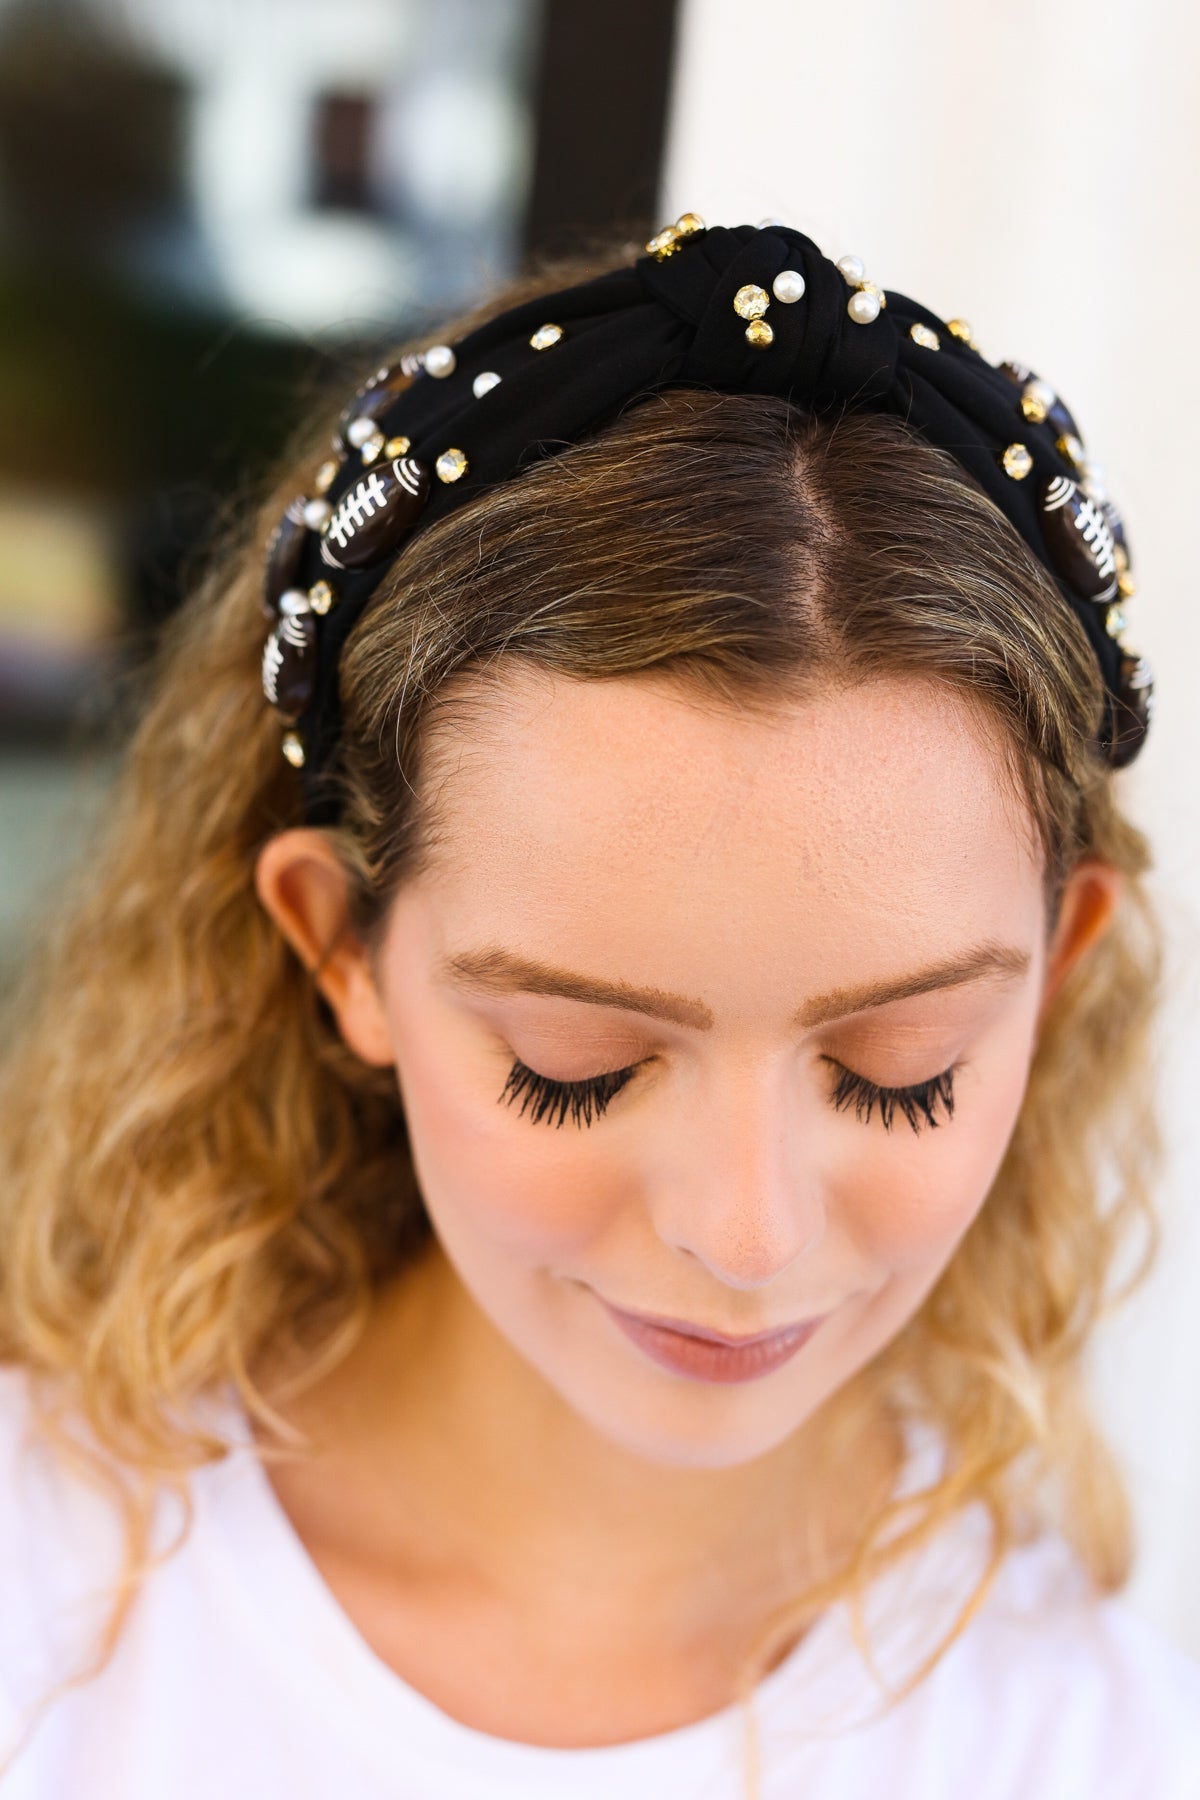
x=1034 y=168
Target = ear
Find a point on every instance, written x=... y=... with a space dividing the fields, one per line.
x=303 y=886
x=1089 y=900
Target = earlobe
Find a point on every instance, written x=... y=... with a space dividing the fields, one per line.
x=1090 y=897
x=303 y=887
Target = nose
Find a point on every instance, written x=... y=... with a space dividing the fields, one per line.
x=737 y=1191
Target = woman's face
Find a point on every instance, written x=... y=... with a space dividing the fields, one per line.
x=745 y=912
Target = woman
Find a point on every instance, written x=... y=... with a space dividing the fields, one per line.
x=551 y=1229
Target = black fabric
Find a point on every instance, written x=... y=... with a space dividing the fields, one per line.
x=671 y=323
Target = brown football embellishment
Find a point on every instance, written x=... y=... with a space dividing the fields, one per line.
x=375 y=514
x=1080 y=540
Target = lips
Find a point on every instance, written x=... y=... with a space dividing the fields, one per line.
x=707 y=1355
x=684 y=1328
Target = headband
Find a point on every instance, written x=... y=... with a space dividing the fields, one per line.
x=744 y=310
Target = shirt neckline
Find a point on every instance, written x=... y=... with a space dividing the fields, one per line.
x=286 y=1606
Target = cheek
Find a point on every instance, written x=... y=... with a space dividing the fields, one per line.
x=531 y=1190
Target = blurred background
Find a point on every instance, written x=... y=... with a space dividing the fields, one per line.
x=211 y=209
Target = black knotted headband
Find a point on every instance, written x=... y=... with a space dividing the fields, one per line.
x=738 y=310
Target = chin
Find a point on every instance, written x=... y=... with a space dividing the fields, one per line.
x=694 y=1426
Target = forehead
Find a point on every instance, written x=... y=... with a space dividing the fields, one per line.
x=588 y=809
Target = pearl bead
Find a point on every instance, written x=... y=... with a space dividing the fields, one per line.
x=293 y=601
x=852 y=268
x=788 y=285
x=863 y=307
x=441 y=361
x=293 y=749
x=317 y=513
x=483 y=384
x=545 y=337
x=359 y=430
x=766 y=224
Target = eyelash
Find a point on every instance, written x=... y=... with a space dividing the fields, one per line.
x=577 y=1097
x=581 y=1098
x=921 y=1100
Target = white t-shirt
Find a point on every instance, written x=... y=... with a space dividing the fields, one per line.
x=238 y=1675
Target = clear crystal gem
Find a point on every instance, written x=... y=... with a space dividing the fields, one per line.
x=451 y=465
x=751 y=301
x=1017 y=461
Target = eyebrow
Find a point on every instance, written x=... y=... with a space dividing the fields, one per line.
x=500 y=972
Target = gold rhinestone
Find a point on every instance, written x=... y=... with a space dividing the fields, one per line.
x=371 y=448
x=1033 y=407
x=688 y=224
x=545 y=335
x=1126 y=586
x=1114 y=621
x=961 y=329
x=1122 y=557
x=923 y=335
x=325 y=476
x=1017 y=461
x=397 y=446
x=872 y=287
x=759 y=333
x=451 y=465
x=663 y=243
x=293 y=749
x=320 y=596
x=1070 y=447
x=750 y=302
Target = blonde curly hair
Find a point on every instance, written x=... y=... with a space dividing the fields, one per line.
x=194 y=1166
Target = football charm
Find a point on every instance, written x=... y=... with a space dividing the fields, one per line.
x=283 y=555
x=289 y=664
x=370 y=520
x=1079 y=539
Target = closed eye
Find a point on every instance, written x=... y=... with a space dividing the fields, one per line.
x=917 y=1102
x=580 y=1098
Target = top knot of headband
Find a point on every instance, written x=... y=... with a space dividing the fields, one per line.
x=758 y=310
